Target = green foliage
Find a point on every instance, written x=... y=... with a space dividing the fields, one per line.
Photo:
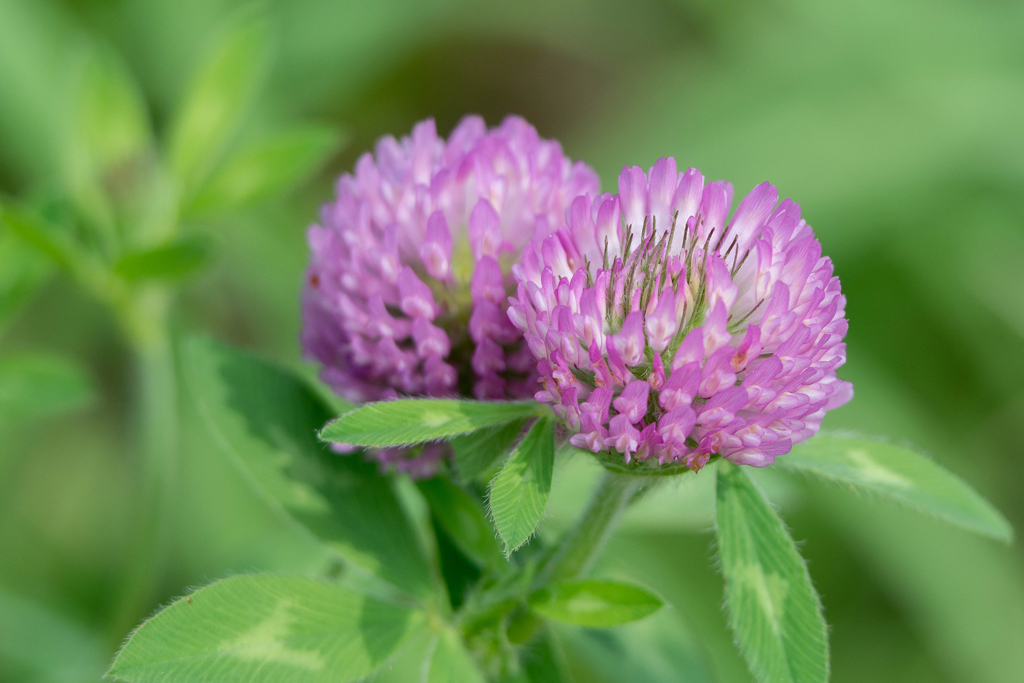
x=950 y=585
x=268 y=168
x=653 y=650
x=409 y=421
x=597 y=603
x=109 y=141
x=475 y=453
x=111 y=117
x=542 y=662
x=464 y=520
x=450 y=663
x=773 y=608
x=266 y=628
x=56 y=244
x=36 y=384
x=899 y=473
x=893 y=124
x=410 y=660
x=41 y=645
x=519 y=494
x=22 y=272
x=173 y=261
x=218 y=99
x=35 y=106
x=265 y=420
x=461 y=574
x=33 y=232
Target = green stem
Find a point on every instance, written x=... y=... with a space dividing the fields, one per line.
x=144 y=314
x=575 y=554
x=158 y=388
x=147 y=323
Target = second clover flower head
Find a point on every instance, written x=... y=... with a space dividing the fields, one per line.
x=407 y=288
x=666 y=331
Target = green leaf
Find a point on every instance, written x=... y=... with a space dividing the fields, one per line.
x=172 y=261
x=450 y=663
x=519 y=493
x=34 y=111
x=269 y=168
x=773 y=609
x=33 y=232
x=45 y=645
x=111 y=121
x=217 y=102
x=599 y=603
x=475 y=453
x=408 y=421
x=23 y=270
x=36 y=384
x=266 y=628
x=110 y=138
x=55 y=242
x=265 y=420
x=899 y=473
x=465 y=521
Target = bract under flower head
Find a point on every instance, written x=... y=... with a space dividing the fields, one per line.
x=665 y=331
x=407 y=288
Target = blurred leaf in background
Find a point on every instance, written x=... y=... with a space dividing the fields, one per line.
x=37 y=385
x=216 y=102
x=263 y=170
x=22 y=272
x=37 y=644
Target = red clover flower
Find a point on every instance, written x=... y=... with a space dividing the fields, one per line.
x=406 y=292
x=663 y=332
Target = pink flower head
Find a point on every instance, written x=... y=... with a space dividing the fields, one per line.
x=680 y=333
x=407 y=287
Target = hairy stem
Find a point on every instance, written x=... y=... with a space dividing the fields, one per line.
x=577 y=552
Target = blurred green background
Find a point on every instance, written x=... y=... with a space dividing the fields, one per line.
x=897 y=125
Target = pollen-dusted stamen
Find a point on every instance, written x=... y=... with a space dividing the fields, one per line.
x=711 y=338
x=408 y=281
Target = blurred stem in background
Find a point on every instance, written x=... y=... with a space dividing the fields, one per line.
x=143 y=313
x=122 y=222
x=157 y=388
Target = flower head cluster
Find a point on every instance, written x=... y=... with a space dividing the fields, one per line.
x=665 y=331
x=407 y=288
